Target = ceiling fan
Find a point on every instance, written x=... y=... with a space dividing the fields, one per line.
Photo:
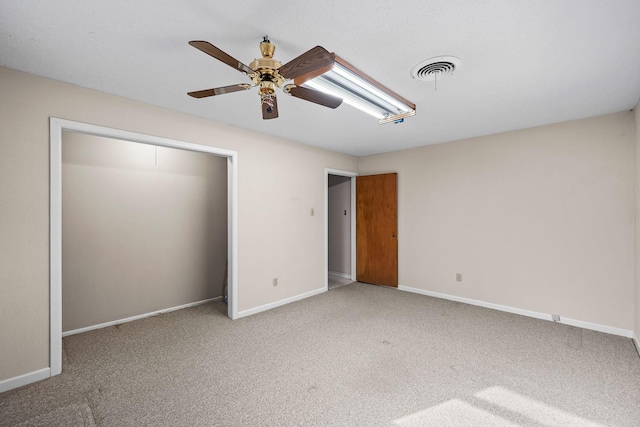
x=268 y=73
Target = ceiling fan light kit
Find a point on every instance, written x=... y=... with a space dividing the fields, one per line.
x=318 y=76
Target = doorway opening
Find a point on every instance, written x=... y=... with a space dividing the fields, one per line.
x=340 y=221
x=57 y=127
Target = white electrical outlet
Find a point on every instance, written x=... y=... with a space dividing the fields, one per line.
x=458 y=277
x=275 y=282
x=555 y=317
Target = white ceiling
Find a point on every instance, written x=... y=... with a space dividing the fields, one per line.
x=525 y=63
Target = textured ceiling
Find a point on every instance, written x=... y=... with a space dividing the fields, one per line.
x=525 y=63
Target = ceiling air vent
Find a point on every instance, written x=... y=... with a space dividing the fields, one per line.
x=436 y=68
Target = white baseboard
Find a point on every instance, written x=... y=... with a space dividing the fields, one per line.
x=338 y=274
x=21 y=380
x=597 y=327
x=269 y=306
x=572 y=322
x=140 y=316
x=635 y=341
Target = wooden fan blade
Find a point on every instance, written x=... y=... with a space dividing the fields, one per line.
x=270 y=108
x=308 y=65
x=219 y=90
x=210 y=49
x=315 y=96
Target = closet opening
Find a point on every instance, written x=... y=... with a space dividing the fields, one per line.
x=149 y=225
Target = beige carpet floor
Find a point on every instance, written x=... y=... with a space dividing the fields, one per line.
x=357 y=355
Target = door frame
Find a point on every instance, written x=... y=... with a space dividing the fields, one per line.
x=56 y=127
x=352 y=175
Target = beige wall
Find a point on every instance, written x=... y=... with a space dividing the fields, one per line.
x=636 y=114
x=144 y=228
x=539 y=219
x=339 y=224
x=279 y=182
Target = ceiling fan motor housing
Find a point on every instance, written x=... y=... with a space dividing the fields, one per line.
x=265 y=65
x=266 y=71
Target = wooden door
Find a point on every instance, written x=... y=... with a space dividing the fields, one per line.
x=377 y=229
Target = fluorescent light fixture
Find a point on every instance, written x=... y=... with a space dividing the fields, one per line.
x=362 y=92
